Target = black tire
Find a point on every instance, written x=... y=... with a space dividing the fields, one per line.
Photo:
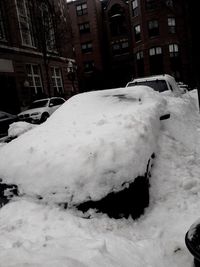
x=44 y=117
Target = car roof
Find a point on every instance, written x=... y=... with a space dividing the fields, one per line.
x=154 y=77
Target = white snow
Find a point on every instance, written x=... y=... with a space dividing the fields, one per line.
x=40 y=235
x=20 y=127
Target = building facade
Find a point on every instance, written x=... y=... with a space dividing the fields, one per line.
x=36 y=56
x=87 y=33
x=140 y=38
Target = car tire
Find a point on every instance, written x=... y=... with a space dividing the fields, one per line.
x=44 y=117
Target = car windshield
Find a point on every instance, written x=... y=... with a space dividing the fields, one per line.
x=39 y=104
x=157 y=85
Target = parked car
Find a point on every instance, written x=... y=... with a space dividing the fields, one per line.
x=95 y=152
x=40 y=110
x=5 y=120
x=159 y=83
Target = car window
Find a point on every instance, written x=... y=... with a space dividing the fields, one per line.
x=157 y=85
x=39 y=104
x=56 y=101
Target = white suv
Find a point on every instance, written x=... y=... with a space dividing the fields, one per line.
x=159 y=83
x=41 y=109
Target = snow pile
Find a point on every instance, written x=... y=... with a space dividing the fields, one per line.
x=18 y=128
x=89 y=147
x=34 y=234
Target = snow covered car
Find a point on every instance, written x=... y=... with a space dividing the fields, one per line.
x=41 y=109
x=160 y=83
x=94 y=152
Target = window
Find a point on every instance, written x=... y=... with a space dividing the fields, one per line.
x=57 y=80
x=139 y=55
x=172 y=25
x=84 y=28
x=81 y=9
x=137 y=32
x=25 y=22
x=135 y=8
x=153 y=28
x=86 y=47
x=173 y=50
x=155 y=51
x=140 y=63
x=48 y=28
x=2 y=28
x=151 y=4
x=121 y=47
x=56 y=101
x=156 y=60
x=89 y=66
x=34 y=78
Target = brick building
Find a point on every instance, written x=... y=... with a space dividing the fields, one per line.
x=140 y=38
x=35 y=59
x=87 y=32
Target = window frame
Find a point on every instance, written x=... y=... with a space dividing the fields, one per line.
x=82 y=11
x=153 y=28
x=85 y=29
x=137 y=32
x=88 y=47
x=24 y=19
x=135 y=8
x=55 y=76
x=174 y=50
x=33 y=76
x=2 y=25
x=171 y=22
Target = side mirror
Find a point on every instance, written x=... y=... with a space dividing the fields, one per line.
x=165 y=117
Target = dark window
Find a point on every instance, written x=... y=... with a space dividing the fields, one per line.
x=157 y=85
x=86 y=47
x=137 y=32
x=153 y=28
x=84 y=28
x=140 y=63
x=89 y=66
x=156 y=60
x=171 y=25
x=56 y=102
x=117 y=20
x=151 y=4
x=175 y=61
x=81 y=9
x=120 y=48
x=135 y=8
x=2 y=26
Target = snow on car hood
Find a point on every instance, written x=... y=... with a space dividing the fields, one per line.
x=92 y=145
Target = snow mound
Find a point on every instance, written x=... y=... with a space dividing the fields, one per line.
x=94 y=144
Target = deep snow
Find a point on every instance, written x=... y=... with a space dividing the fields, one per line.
x=34 y=234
